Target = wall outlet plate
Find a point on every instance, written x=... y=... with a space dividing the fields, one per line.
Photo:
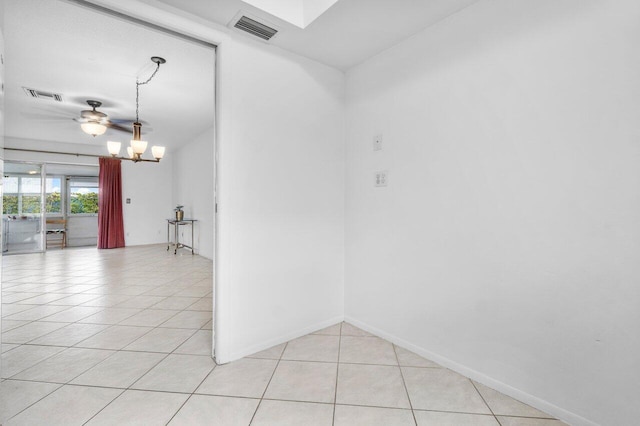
x=381 y=178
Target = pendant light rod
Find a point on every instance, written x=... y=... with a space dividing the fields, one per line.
x=138 y=146
x=158 y=61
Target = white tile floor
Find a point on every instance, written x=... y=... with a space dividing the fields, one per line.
x=124 y=337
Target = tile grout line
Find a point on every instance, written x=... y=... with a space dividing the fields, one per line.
x=180 y=408
x=335 y=394
x=268 y=383
x=31 y=405
x=102 y=409
x=404 y=383
x=215 y=365
x=485 y=402
x=351 y=363
x=129 y=386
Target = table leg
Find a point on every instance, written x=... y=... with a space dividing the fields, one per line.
x=176 y=240
x=192 y=238
x=168 y=240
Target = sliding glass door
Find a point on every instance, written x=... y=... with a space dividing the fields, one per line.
x=22 y=209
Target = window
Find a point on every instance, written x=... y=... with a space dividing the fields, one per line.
x=31 y=197
x=83 y=195
x=54 y=195
x=10 y=198
x=22 y=195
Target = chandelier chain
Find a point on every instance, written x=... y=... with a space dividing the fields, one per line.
x=138 y=84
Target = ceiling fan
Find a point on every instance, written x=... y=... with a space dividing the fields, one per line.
x=94 y=122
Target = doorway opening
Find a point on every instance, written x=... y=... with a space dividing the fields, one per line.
x=185 y=176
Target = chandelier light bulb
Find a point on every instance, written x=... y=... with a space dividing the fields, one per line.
x=158 y=152
x=139 y=147
x=114 y=148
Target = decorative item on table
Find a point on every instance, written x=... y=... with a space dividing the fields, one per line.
x=179 y=212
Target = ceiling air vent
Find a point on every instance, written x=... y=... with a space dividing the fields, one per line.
x=256 y=28
x=33 y=93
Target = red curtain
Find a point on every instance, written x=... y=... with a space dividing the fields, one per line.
x=110 y=222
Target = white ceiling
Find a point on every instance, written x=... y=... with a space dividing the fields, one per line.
x=56 y=46
x=348 y=33
x=297 y=12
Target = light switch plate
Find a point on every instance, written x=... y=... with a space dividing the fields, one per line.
x=381 y=178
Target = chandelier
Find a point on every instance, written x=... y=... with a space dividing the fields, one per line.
x=138 y=146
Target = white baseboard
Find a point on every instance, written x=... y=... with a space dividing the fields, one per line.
x=282 y=339
x=542 y=405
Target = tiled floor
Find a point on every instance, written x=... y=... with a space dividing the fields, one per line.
x=124 y=337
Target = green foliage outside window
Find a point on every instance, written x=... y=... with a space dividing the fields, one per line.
x=30 y=204
x=84 y=203
x=9 y=204
x=54 y=203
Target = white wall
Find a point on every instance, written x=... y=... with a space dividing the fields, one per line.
x=193 y=172
x=280 y=186
x=281 y=208
x=149 y=187
x=507 y=243
x=81 y=231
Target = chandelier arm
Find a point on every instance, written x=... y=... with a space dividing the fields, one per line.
x=135 y=160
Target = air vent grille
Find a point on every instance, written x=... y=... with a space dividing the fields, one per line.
x=255 y=28
x=40 y=94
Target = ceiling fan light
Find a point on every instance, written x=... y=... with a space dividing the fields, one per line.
x=114 y=148
x=93 y=128
x=158 y=152
x=130 y=152
x=139 y=147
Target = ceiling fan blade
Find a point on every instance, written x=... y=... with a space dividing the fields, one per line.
x=45 y=113
x=126 y=121
x=118 y=127
x=47 y=117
